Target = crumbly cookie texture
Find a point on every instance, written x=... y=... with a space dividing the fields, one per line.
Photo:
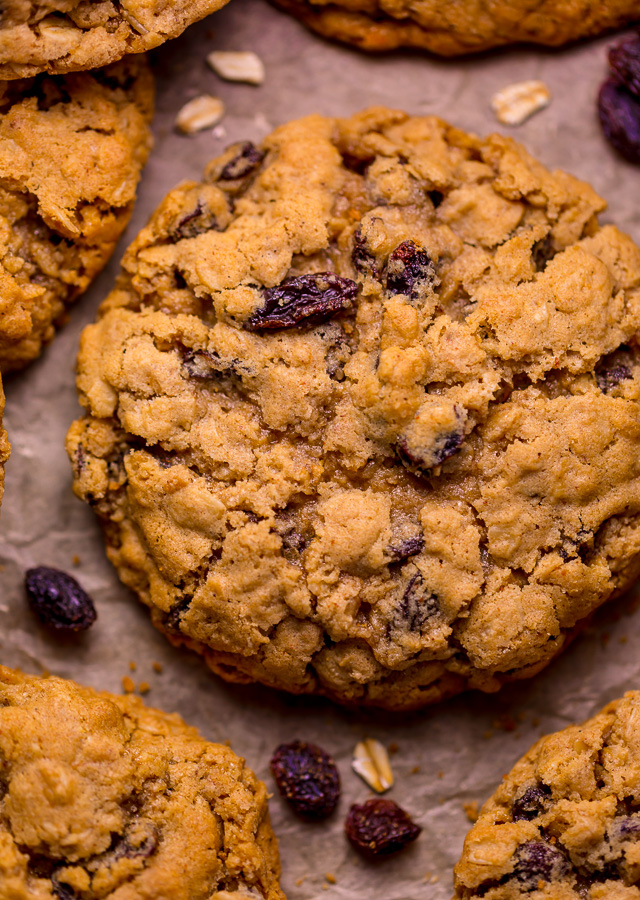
x=5 y=449
x=565 y=822
x=461 y=26
x=363 y=411
x=71 y=152
x=104 y=797
x=59 y=36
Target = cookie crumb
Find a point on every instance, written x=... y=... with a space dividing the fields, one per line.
x=330 y=877
x=515 y=103
x=144 y=687
x=157 y=667
x=127 y=685
x=471 y=810
x=393 y=748
x=244 y=66
x=133 y=666
x=200 y=113
x=75 y=559
x=415 y=770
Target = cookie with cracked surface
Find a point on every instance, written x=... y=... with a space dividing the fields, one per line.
x=462 y=26
x=105 y=797
x=363 y=411
x=565 y=822
x=59 y=36
x=71 y=152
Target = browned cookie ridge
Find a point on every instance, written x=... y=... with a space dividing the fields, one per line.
x=104 y=797
x=565 y=822
x=59 y=36
x=362 y=412
x=460 y=26
x=71 y=152
x=4 y=444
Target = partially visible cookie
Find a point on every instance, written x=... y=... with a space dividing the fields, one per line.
x=69 y=35
x=4 y=444
x=363 y=411
x=462 y=26
x=71 y=153
x=103 y=797
x=565 y=822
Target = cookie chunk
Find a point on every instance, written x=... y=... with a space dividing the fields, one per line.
x=565 y=822
x=71 y=35
x=71 y=153
x=465 y=26
x=4 y=444
x=103 y=797
x=363 y=411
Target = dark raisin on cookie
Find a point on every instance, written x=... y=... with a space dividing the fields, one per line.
x=531 y=803
x=537 y=861
x=417 y=606
x=542 y=251
x=307 y=778
x=380 y=827
x=204 y=365
x=614 y=368
x=304 y=300
x=363 y=260
x=619 y=112
x=58 y=600
x=406 y=549
x=196 y=222
x=444 y=446
x=247 y=158
x=624 y=61
x=407 y=267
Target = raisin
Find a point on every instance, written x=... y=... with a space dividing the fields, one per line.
x=619 y=112
x=537 y=861
x=542 y=251
x=613 y=368
x=436 y=197
x=407 y=548
x=444 y=446
x=62 y=891
x=531 y=803
x=417 y=606
x=408 y=265
x=305 y=300
x=195 y=222
x=363 y=260
x=625 y=826
x=58 y=600
x=380 y=827
x=247 y=158
x=624 y=60
x=307 y=778
x=204 y=365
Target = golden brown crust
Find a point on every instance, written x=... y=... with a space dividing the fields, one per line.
x=5 y=448
x=71 y=153
x=461 y=26
x=430 y=490
x=71 y=35
x=565 y=822
x=105 y=797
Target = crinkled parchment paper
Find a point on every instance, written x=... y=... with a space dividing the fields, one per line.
x=449 y=755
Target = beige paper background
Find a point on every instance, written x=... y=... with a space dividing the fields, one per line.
x=460 y=752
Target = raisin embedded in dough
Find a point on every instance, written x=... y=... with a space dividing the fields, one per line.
x=362 y=412
x=104 y=797
x=565 y=822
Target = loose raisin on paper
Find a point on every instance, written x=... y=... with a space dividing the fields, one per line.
x=307 y=778
x=624 y=61
x=305 y=300
x=380 y=827
x=619 y=112
x=58 y=600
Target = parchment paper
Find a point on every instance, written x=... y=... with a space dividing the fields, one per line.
x=449 y=755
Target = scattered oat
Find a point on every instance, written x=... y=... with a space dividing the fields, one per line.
x=132 y=666
x=144 y=687
x=515 y=103
x=157 y=667
x=331 y=878
x=241 y=65
x=471 y=810
x=127 y=685
x=434 y=879
x=371 y=763
x=202 y=112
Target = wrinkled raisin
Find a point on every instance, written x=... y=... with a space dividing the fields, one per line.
x=531 y=803
x=619 y=112
x=624 y=60
x=625 y=826
x=247 y=158
x=542 y=251
x=614 y=368
x=407 y=548
x=379 y=827
x=305 y=300
x=307 y=778
x=363 y=260
x=199 y=220
x=417 y=606
x=408 y=265
x=58 y=599
x=62 y=891
x=204 y=365
x=444 y=446
x=537 y=861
